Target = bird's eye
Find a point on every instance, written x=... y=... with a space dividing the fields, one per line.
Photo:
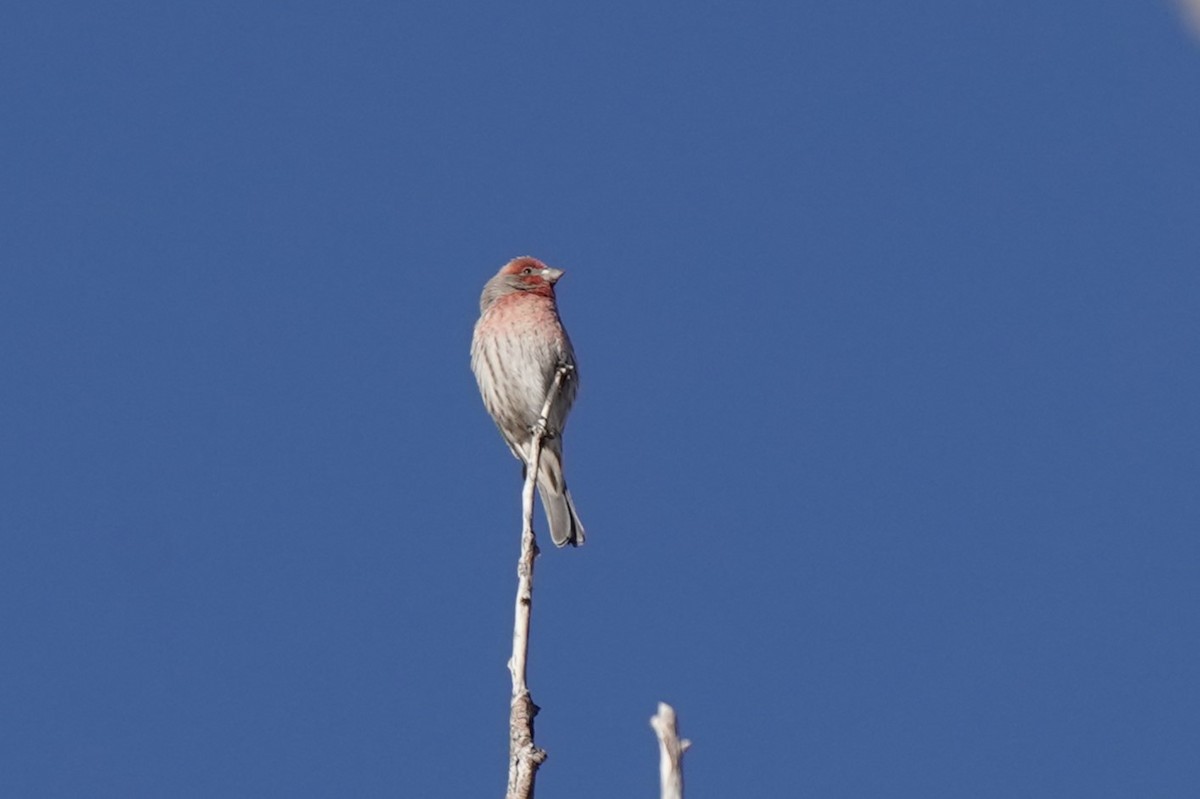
x=527 y=270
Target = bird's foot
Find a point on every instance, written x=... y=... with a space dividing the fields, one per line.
x=544 y=430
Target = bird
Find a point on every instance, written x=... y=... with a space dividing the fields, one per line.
x=518 y=345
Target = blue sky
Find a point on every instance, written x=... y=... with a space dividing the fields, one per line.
x=887 y=445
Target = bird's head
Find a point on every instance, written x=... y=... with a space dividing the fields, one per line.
x=524 y=274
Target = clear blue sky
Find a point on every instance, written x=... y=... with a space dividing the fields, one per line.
x=888 y=444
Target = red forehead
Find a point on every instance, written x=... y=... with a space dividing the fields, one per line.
x=515 y=266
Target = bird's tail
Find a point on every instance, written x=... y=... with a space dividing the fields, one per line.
x=565 y=527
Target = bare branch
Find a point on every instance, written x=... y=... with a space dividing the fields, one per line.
x=523 y=756
x=670 y=751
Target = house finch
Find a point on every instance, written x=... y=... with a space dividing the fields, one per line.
x=518 y=345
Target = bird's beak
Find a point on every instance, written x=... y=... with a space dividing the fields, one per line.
x=551 y=274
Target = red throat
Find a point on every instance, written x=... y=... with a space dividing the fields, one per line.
x=538 y=285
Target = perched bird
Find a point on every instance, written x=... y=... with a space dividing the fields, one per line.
x=518 y=345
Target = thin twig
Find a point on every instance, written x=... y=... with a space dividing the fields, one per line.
x=670 y=751
x=523 y=756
